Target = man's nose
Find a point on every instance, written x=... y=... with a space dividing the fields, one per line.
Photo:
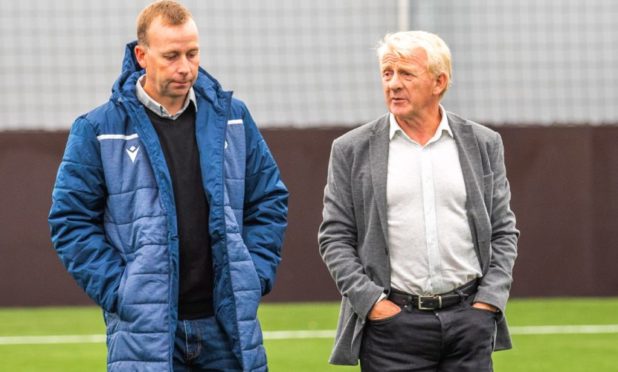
x=183 y=65
x=395 y=82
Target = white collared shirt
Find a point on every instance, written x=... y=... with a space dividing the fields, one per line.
x=158 y=108
x=430 y=243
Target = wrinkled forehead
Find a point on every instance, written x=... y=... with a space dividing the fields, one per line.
x=416 y=57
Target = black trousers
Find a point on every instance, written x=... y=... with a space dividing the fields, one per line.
x=459 y=339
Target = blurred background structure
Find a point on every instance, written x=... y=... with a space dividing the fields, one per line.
x=542 y=73
x=312 y=63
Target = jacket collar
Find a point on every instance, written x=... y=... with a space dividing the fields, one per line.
x=378 y=156
x=443 y=126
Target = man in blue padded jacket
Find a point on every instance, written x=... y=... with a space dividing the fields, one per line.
x=169 y=210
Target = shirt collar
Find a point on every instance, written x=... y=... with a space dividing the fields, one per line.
x=443 y=126
x=156 y=107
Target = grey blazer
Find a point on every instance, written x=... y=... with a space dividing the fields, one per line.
x=353 y=235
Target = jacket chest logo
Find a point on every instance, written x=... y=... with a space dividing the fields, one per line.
x=132 y=152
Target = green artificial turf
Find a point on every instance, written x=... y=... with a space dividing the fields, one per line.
x=546 y=353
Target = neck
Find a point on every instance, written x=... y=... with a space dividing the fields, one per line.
x=421 y=127
x=172 y=107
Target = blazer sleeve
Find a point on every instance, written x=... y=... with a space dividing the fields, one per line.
x=265 y=206
x=76 y=219
x=338 y=237
x=496 y=283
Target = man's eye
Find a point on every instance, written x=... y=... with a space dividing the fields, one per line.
x=169 y=57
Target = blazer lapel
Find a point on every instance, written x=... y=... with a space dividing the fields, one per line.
x=469 y=155
x=378 y=155
x=472 y=169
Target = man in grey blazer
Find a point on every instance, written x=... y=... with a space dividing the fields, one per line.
x=417 y=230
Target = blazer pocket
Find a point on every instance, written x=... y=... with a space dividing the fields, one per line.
x=488 y=190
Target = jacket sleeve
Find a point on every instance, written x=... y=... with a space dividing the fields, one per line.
x=265 y=206
x=76 y=218
x=338 y=237
x=496 y=283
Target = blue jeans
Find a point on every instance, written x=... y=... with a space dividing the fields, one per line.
x=202 y=345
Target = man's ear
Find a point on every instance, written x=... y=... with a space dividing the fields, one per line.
x=441 y=82
x=140 y=55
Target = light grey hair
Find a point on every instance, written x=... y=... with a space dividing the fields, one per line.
x=404 y=43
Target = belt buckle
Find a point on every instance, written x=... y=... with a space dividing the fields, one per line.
x=420 y=302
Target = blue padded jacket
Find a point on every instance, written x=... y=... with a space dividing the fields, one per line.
x=113 y=221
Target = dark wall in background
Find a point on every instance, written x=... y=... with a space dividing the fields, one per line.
x=564 y=182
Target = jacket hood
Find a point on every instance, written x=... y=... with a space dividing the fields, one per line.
x=205 y=85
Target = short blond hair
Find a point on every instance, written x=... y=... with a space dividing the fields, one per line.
x=171 y=13
x=403 y=44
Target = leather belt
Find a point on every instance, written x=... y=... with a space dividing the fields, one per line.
x=435 y=302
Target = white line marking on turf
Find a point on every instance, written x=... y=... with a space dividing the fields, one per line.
x=290 y=335
x=564 y=329
x=39 y=340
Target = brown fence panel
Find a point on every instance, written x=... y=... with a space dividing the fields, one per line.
x=564 y=182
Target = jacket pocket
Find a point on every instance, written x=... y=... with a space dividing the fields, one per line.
x=384 y=321
x=120 y=294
